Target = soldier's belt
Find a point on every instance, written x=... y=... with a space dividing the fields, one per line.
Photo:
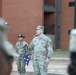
x=41 y=53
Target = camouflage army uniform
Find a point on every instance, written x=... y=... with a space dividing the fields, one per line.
x=21 y=50
x=42 y=49
x=8 y=47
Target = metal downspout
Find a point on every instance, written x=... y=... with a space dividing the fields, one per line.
x=58 y=24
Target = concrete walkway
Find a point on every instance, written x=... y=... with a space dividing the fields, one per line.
x=57 y=66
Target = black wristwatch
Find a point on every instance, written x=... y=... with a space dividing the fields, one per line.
x=48 y=57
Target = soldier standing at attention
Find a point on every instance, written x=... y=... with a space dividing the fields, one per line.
x=21 y=48
x=42 y=51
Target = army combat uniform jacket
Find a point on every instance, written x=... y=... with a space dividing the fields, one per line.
x=21 y=49
x=42 y=47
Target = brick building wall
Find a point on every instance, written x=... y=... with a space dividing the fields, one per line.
x=23 y=16
x=0 y=8
x=67 y=23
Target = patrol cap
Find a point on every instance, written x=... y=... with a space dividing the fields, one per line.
x=40 y=28
x=3 y=24
x=21 y=35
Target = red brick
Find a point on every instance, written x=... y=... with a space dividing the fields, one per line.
x=0 y=8
x=23 y=16
x=67 y=23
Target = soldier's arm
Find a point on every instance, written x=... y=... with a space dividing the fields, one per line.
x=24 y=44
x=16 y=48
x=27 y=48
x=31 y=46
x=49 y=48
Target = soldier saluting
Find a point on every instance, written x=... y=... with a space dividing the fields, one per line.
x=42 y=50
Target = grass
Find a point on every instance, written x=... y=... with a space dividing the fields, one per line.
x=61 y=53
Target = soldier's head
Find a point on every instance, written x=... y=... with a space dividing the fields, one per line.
x=3 y=25
x=3 y=29
x=20 y=37
x=39 y=30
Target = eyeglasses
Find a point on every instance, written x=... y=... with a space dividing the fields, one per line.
x=37 y=29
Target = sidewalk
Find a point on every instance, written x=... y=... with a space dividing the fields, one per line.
x=57 y=66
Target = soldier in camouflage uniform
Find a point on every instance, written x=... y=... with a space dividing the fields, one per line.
x=21 y=47
x=42 y=51
x=4 y=28
x=7 y=51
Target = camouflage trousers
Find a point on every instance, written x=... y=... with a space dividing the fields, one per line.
x=40 y=66
x=20 y=66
